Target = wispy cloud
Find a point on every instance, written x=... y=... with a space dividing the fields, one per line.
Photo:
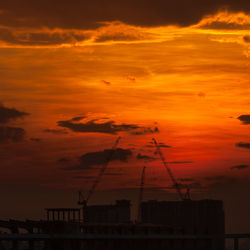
x=239 y=167
x=243 y=145
x=91 y=159
x=9 y=114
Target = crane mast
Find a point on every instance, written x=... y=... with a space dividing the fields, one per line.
x=83 y=201
x=176 y=184
x=140 y=198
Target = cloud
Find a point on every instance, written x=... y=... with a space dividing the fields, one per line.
x=92 y=126
x=131 y=78
x=246 y=39
x=55 y=131
x=144 y=157
x=8 y=114
x=11 y=134
x=91 y=13
x=91 y=159
x=122 y=21
x=145 y=131
x=239 y=167
x=180 y=162
x=245 y=119
x=44 y=37
x=118 y=37
x=226 y=20
x=77 y=118
x=106 y=82
x=60 y=37
x=160 y=144
x=243 y=145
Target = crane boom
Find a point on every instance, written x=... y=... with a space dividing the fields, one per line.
x=140 y=198
x=176 y=184
x=102 y=170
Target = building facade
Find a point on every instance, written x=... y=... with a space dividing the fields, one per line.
x=193 y=217
x=117 y=213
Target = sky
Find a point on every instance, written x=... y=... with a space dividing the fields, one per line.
x=76 y=75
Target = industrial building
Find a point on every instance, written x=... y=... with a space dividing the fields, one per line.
x=164 y=225
x=118 y=213
x=196 y=217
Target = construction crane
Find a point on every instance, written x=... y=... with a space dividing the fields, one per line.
x=176 y=185
x=83 y=201
x=140 y=198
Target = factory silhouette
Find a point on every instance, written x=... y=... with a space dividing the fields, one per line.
x=162 y=225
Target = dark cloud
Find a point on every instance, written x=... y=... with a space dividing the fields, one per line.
x=92 y=127
x=91 y=159
x=160 y=144
x=55 y=131
x=106 y=82
x=246 y=39
x=163 y=145
x=8 y=114
x=40 y=38
x=245 y=119
x=180 y=162
x=77 y=118
x=243 y=145
x=144 y=157
x=90 y=13
x=118 y=37
x=11 y=134
x=239 y=167
x=131 y=78
x=225 y=25
x=144 y=131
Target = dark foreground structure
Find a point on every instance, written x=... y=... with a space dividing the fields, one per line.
x=192 y=216
x=109 y=237
x=118 y=213
x=164 y=225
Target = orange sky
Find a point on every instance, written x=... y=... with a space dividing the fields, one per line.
x=190 y=82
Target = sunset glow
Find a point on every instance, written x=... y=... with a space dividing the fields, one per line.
x=185 y=85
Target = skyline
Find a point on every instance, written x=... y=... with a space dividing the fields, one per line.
x=76 y=76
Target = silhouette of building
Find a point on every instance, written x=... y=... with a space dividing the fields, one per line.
x=197 y=217
x=118 y=213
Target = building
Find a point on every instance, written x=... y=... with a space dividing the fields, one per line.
x=117 y=213
x=196 y=217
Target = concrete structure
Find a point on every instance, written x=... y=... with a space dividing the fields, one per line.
x=106 y=237
x=179 y=225
x=118 y=213
x=63 y=214
x=197 y=217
